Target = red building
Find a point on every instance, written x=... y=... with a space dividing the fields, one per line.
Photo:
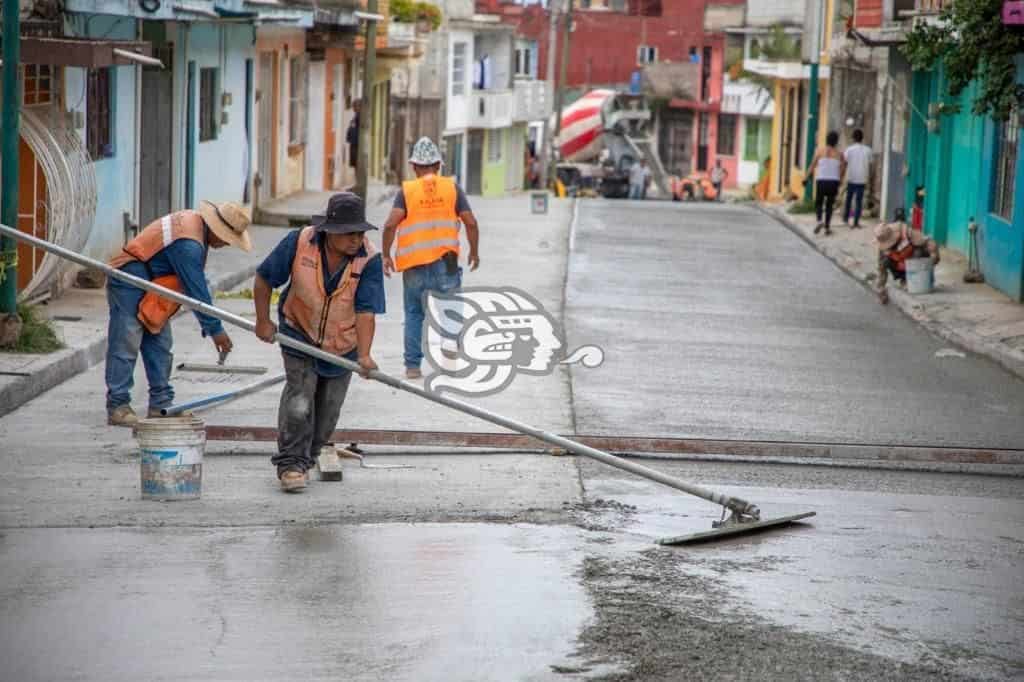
x=611 y=42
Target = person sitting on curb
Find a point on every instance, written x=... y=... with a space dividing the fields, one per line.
x=335 y=290
x=897 y=243
x=171 y=251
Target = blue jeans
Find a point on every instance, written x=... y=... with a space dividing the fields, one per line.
x=853 y=191
x=636 y=191
x=125 y=338
x=417 y=282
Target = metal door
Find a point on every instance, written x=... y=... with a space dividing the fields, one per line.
x=475 y=162
x=265 y=129
x=155 y=176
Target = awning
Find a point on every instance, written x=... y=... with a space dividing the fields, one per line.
x=220 y=11
x=83 y=52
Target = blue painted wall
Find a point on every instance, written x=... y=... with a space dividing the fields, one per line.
x=1001 y=241
x=221 y=164
x=115 y=177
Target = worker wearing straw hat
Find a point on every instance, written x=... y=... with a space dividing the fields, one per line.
x=897 y=243
x=170 y=251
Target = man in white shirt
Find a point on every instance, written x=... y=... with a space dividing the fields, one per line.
x=858 y=167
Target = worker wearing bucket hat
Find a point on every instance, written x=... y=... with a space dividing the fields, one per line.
x=897 y=243
x=170 y=251
x=335 y=287
x=425 y=218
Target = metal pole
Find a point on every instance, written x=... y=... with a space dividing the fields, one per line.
x=221 y=398
x=812 y=128
x=366 y=110
x=741 y=507
x=547 y=149
x=560 y=91
x=9 y=154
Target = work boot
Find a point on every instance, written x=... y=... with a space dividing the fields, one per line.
x=123 y=415
x=413 y=373
x=293 y=481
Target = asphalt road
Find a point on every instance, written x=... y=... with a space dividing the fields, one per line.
x=533 y=567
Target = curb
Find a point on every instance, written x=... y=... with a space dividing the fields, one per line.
x=1006 y=358
x=17 y=393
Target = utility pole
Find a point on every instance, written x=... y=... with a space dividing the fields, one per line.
x=366 y=109
x=548 y=147
x=9 y=154
x=812 y=53
x=562 y=69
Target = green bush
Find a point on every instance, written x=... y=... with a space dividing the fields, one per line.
x=412 y=11
x=37 y=333
x=802 y=206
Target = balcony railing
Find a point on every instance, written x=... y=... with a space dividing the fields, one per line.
x=532 y=100
x=930 y=6
x=491 y=108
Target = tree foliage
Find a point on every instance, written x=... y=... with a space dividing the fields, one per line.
x=971 y=43
x=411 y=12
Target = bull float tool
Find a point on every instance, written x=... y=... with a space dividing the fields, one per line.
x=744 y=517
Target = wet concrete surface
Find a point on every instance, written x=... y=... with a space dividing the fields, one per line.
x=373 y=602
x=521 y=566
x=718 y=322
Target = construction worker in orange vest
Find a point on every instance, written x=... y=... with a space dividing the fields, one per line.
x=426 y=216
x=170 y=251
x=335 y=287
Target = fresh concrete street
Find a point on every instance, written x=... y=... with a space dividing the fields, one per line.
x=716 y=321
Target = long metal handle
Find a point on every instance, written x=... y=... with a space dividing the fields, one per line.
x=733 y=503
x=221 y=398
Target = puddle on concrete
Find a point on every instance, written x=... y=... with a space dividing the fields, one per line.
x=936 y=587
x=396 y=602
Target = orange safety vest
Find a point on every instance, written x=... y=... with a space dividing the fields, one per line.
x=329 y=321
x=903 y=250
x=431 y=225
x=154 y=309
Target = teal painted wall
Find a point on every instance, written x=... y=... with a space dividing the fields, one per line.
x=956 y=165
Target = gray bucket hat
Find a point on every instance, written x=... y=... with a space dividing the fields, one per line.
x=425 y=152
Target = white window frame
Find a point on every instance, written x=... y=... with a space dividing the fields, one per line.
x=460 y=63
x=298 y=101
x=523 y=66
x=646 y=54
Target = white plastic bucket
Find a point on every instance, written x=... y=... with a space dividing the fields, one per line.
x=171 y=457
x=920 y=276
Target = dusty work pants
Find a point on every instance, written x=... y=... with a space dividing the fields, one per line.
x=308 y=415
x=126 y=338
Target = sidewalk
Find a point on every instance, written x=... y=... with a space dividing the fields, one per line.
x=975 y=317
x=296 y=209
x=80 y=317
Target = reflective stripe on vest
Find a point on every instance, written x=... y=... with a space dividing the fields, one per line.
x=328 y=321
x=159 y=234
x=431 y=225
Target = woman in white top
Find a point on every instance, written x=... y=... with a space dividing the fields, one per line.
x=827 y=168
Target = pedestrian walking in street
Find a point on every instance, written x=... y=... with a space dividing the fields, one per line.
x=170 y=251
x=639 y=177
x=858 y=167
x=718 y=177
x=335 y=288
x=897 y=243
x=827 y=169
x=425 y=219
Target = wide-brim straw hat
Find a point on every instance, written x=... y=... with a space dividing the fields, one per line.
x=886 y=236
x=228 y=221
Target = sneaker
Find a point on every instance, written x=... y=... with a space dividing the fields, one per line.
x=819 y=227
x=123 y=415
x=828 y=232
x=413 y=373
x=293 y=481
